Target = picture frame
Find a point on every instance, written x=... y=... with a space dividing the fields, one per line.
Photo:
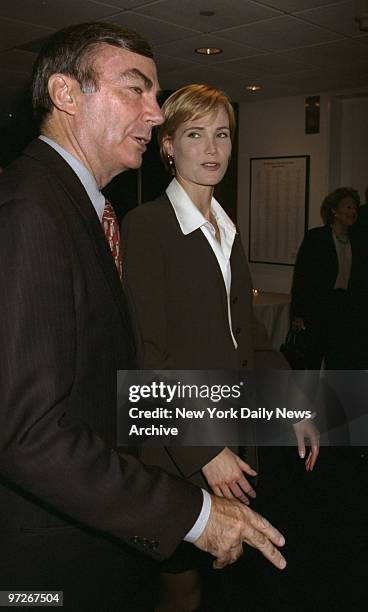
x=278 y=208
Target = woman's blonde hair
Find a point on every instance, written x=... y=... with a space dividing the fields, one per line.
x=191 y=102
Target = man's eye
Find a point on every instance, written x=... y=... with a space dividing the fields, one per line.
x=137 y=89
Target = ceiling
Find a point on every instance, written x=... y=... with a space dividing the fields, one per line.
x=290 y=47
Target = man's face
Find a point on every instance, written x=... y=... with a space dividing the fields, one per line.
x=113 y=125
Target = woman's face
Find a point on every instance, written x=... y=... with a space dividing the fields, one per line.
x=201 y=149
x=346 y=212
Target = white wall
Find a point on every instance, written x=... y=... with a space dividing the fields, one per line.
x=354 y=143
x=275 y=128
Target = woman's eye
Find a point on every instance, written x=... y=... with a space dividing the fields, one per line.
x=223 y=135
x=193 y=135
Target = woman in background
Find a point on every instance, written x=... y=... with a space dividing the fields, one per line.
x=322 y=297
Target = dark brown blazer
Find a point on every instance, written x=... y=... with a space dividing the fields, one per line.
x=66 y=496
x=178 y=300
x=178 y=293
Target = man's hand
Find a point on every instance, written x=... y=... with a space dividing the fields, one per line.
x=307 y=429
x=230 y=525
x=224 y=474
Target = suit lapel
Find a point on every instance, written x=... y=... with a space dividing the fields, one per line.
x=77 y=195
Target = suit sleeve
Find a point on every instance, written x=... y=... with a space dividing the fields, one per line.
x=65 y=466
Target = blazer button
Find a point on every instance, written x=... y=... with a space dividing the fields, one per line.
x=136 y=540
x=237 y=331
x=235 y=299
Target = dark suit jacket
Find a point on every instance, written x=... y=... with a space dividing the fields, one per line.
x=64 y=331
x=315 y=273
x=179 y=304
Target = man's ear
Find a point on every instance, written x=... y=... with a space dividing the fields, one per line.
x=167 y=145
x=63 y=91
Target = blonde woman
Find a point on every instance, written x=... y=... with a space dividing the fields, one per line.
x=188 y=283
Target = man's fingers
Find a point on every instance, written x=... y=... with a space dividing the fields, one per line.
x=231 y=524
x=265 y=546
x=228 y=557
x=259 y=523
x=257 y=538
x=270 y=552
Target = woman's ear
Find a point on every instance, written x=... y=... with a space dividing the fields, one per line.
x=63 y=92
x=167 y=145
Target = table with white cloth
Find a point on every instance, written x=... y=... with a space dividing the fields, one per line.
x=272 y=310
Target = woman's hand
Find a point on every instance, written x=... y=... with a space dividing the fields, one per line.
x=297 y=324
x=307 y=429
x=225 y=475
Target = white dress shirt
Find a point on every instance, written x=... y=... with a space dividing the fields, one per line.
x=344 y=257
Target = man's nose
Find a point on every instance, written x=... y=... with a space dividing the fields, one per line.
x=154 y=113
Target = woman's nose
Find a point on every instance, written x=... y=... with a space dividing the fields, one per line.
x=211 y=146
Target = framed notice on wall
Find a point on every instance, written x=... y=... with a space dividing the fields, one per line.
x=278 y=211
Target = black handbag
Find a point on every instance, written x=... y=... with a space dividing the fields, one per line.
x=295 y=349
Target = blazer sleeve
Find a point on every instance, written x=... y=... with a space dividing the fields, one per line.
x=61 y=465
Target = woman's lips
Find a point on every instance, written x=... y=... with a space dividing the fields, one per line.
x=211 y=165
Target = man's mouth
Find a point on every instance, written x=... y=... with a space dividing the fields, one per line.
x=142 y=140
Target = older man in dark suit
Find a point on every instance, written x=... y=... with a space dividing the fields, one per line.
x=72 y=510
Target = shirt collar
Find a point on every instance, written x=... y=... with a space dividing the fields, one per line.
x=86 y=178
x=190 y=217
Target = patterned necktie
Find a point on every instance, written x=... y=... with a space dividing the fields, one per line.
x=111 y=228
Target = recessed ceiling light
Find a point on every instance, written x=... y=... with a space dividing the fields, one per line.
x=208 y=50
x=253 y=88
